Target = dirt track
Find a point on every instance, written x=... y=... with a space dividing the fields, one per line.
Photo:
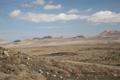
x=98 y=65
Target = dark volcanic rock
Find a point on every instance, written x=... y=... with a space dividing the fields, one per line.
x=47 y=37
x=80 y=36
x=17 y=41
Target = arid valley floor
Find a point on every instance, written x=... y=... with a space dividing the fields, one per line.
x=73 y=59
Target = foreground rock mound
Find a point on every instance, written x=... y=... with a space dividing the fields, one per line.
x=13 y=67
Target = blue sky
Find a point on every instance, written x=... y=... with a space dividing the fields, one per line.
x=22 y=19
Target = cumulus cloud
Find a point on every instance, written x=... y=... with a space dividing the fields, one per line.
x=39 y=2
x=99 y=17
x=77 y=11
x=73 y=11
x=104 y=17
x=42 y=17
x=26 y=5
x=88 y=10
x=48 y=17
x=49 y=7
x=15 y=13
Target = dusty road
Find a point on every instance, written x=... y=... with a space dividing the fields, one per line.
x=98 y=65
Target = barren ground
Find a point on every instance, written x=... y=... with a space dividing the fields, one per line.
x=64 y=62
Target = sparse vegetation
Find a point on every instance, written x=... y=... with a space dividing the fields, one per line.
x=61 y=65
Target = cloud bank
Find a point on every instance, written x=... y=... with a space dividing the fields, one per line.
x=104 y=17
x=99 y=17
x=42 y=17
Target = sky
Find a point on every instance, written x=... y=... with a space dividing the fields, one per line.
x=22 y=19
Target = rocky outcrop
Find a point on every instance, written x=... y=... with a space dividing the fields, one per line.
x=48 y=37
x=80 y=36
x=109 y=33
x=3 y=41
x=16 y=41
x=4 y=51
x=16 y=66
x=36 y=38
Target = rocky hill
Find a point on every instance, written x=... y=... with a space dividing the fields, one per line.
x=80 y=36
x=3 y=41
x=17 y=41
x=109 y=33
x=107 y=36
x=48 y=37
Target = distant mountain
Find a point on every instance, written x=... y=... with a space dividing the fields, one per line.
x=109 y=33
x=16 y=41
x=48 y=37
x=36 y=38
x=3 y=41
x=80 y=36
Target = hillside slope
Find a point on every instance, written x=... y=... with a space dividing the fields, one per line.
x=109 y=33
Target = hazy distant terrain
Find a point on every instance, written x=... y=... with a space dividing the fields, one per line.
x=104 y=38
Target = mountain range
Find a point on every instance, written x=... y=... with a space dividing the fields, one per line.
x=62 y=40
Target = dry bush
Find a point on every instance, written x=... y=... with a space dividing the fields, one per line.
x=37 y=77
x=25 y=78
x=55 y=70
x=2 y=76
x=14 y=69
x=44 y=60
x=71 y=69
x=106 y=73
x=12 y=59
x=17 y=78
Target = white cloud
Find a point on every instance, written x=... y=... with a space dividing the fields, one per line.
x=73 y=11
x=99 y=17
x=42 y=17
x=49 y=7
x=83 y=17
x=39 y=2
x=15 y=13
x=104 y=17
x=26 y=5
x=77 y=11
x=88 y=10
x=48 y=17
